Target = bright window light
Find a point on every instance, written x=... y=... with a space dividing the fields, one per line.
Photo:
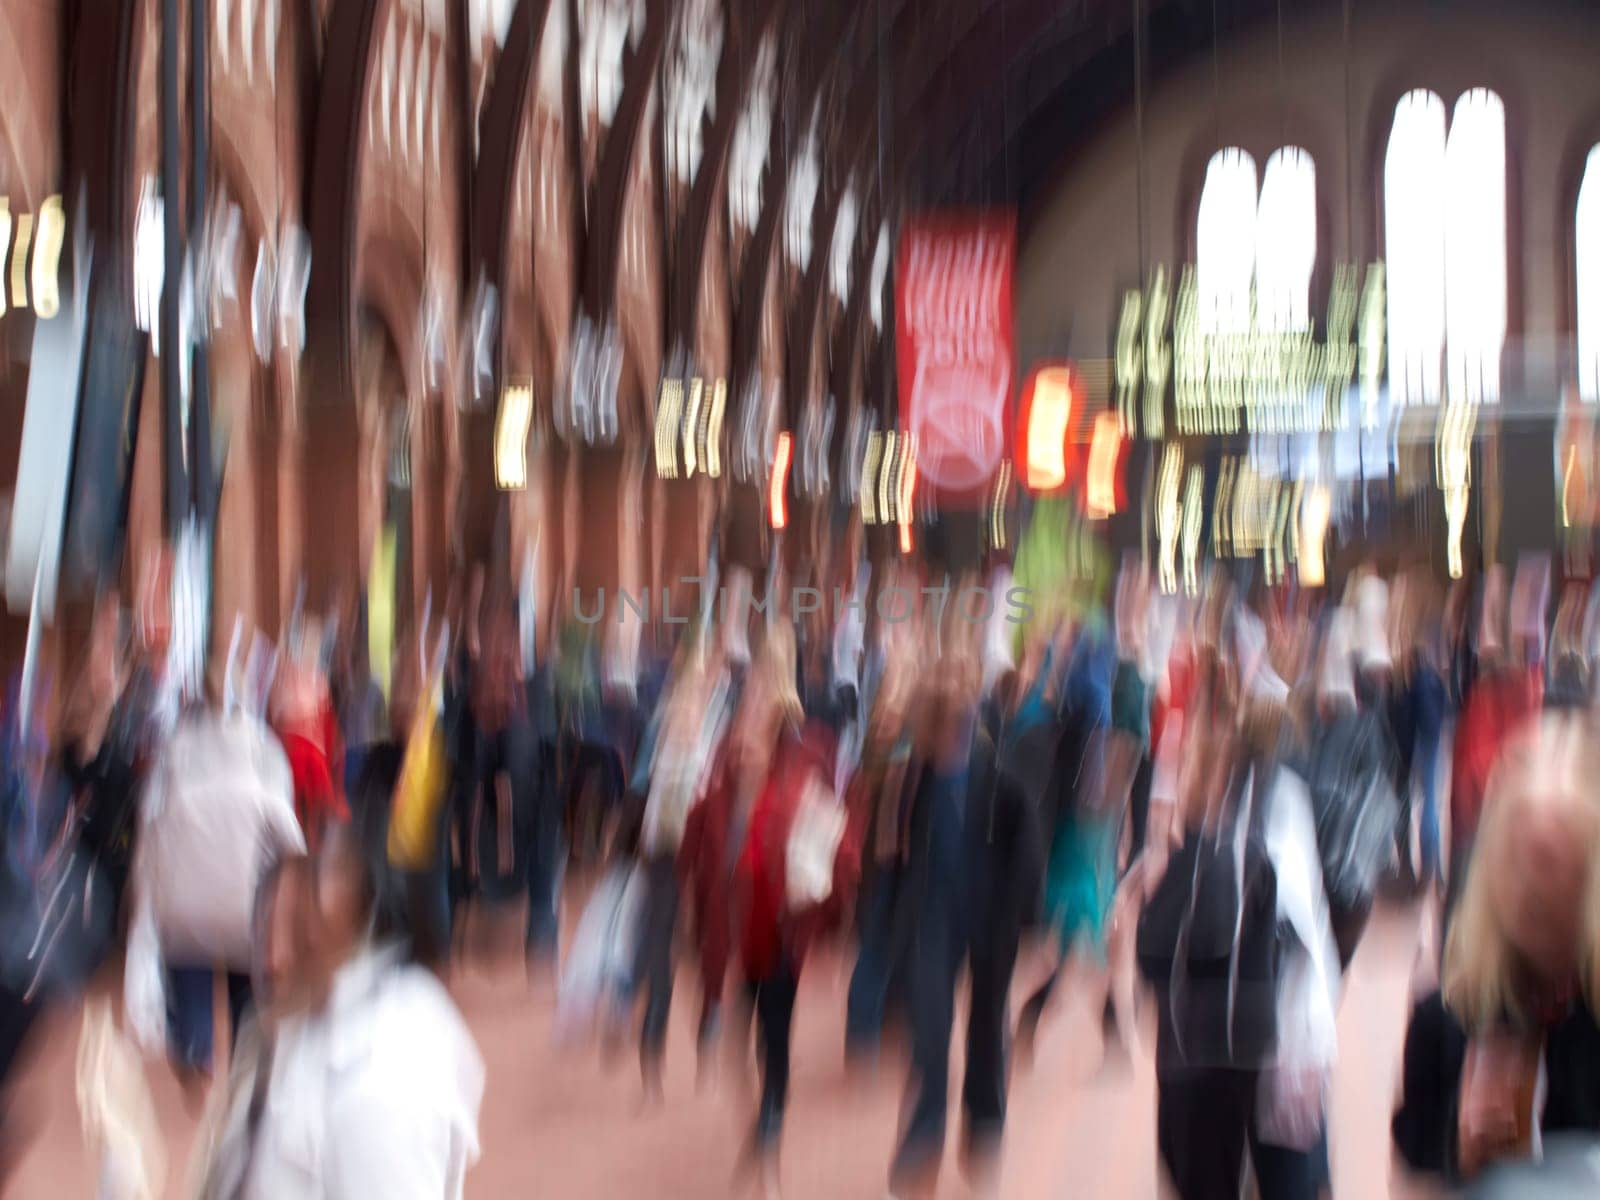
x=1225 y=243
x=1475 y=247
x=149 y=263
x=1414 y=235
x=1286 y=242
x=1588 y=264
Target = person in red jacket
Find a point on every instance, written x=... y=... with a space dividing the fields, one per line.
x=735 y=858
x=797 y=817
x=304 y=718
x=1503 y=700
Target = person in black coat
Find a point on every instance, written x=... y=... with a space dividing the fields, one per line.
x=975 y=880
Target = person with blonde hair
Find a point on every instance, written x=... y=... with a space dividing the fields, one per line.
x=677 y=764
x=1509 y=1051
x=768 y=862
x=713 y=833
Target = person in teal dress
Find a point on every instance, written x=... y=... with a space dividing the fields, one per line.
x=1081 y=878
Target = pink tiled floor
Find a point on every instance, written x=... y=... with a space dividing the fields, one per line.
x=558 y=1123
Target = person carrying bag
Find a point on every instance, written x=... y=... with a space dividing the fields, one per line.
x=1208 y=943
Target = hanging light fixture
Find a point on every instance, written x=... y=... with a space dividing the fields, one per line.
x=778 y=486
x=1315 y=507
x=511 y=439
x=47 y=258
x=1048 y=400
x=1102 y=490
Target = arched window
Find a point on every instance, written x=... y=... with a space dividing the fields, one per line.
x=1475 y=247
x=1414 y=203
x=1445 y=232
x=1587 y=247
x=1225 y=242
x=1255 y=250
x=1286 y=242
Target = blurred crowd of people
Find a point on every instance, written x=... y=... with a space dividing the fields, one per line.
x=1195 y=801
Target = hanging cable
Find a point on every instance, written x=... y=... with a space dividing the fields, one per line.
x=1005 y=104
x=1216 y=75
x=1283 y=86
x=1140 y=216
x=428 y=315
x=1349 y=144
x=1138 y=129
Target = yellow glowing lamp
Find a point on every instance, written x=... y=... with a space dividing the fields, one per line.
x=19 y=261
x=511 y=439
x=1046 y=416
x=5 y=240
x=669 y=410
x=778 y=486
x=691 y=427
x=47 y=258
x=713 y=450
x=870 y=477
x=1100 y=490
x=886 y=476
x=1315 y=509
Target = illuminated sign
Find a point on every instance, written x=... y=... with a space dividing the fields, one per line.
x=1168 y=514
x=1252 y=514
x=888 y=478
x=511 y=439
x=1315 y=509
x=997 y=506
x=778 y=486
x=32 y=282
x=1193 y=518
x=689 y=427
x=1101 y=491
x=1453 y=462
x=1048 y=400
x=1260 y=380
x=954 y=348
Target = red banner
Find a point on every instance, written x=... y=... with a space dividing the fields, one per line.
x=953 y=338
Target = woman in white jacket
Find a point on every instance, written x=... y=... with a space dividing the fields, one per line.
x=370 y=1083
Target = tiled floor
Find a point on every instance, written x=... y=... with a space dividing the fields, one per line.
x=558 y=1123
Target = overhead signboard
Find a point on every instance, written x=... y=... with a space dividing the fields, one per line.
x=954 y=343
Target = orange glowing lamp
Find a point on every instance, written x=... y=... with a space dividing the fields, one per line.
x=778 y=486
x=1048 y=400
x=1102 y=490
x=908 y=490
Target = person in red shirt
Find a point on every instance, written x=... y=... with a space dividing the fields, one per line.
x=734 y=861
x=780 y=924
x=1504 y=699
x=304 y=718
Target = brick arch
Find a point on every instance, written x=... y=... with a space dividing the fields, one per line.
x=24 y=150
x=1583 y=137
x=337 y=152
x=389 y=283
x=232 y=169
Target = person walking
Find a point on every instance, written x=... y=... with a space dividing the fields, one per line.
x=366 y=1082
x=1508 y=1051
x=975 y=869
x=218 y=807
